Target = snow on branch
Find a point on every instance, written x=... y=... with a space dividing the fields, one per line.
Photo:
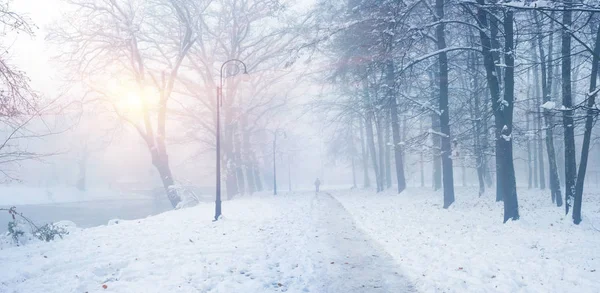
x=431 y=131
x=426 y=105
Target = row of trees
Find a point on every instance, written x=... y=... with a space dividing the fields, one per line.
x=168 y=53
x=485 y=76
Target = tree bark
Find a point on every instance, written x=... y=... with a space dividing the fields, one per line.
x=372 y=149
x=388 y=170
x=538 y=121
x=547 y=77
x=587 y=135
x=476 y=117
x=511 y=205
x=567 y=99
x=435 y=139
x=421 y=165
x=365 y=157
x=502 y=109
x=381 y=144
x=448 y=176
x=393 y=105
x=528 y=137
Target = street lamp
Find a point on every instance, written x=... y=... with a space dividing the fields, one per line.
x=277 y=131
x=218 y=133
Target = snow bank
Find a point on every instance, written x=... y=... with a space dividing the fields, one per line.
x=292 y=243
x=467 y=248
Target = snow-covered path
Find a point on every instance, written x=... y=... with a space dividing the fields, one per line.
x=291 y=243
x=362 y=265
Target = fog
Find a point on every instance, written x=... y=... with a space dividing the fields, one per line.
x=299 y=146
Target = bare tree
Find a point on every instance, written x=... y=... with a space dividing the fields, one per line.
x=143 y=43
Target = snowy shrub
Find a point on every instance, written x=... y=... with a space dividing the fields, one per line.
x=18 y=234
x=49 y=232
x=15 y=230
x=22 y=230
x=188 y=197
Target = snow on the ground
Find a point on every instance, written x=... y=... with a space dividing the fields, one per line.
x=288 y=243
x=26 y=195
x=467 y=248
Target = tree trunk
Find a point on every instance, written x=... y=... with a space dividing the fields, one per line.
x=476 y=117
x=365 y=157
x=502 y=109
x=393 y=104
x=485 y=144
x=511 y=205
x=161 y=162
x=587 y=135
x=569 y=127
x=228 y=163
x=448 y=176
x=239 y=165
x=352 y=153
x=258 y=181
x=381 y=145
x=528 y=137
x=536 y=181
x=372 y=149
x=248 y=158
x=388 y=147
x=421 y=165
x=538 y=120
x=436 y=142
x=547 y=77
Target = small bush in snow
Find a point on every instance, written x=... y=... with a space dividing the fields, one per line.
x=21 y=230
x=15 y=230
x=49 y=232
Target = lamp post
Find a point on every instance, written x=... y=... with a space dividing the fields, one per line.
x=278 y=130
x=218 y=133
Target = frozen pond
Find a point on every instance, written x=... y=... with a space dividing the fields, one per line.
x=90 y=213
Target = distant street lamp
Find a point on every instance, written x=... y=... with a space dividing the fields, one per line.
x=218 y=133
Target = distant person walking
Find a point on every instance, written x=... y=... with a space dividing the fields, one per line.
x=317 y=184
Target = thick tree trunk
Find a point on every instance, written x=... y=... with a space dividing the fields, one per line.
x=448 y=176
x=502 y=109
x=569 y=127
x=161 y=162
x=511 y=205
x=587 y=135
